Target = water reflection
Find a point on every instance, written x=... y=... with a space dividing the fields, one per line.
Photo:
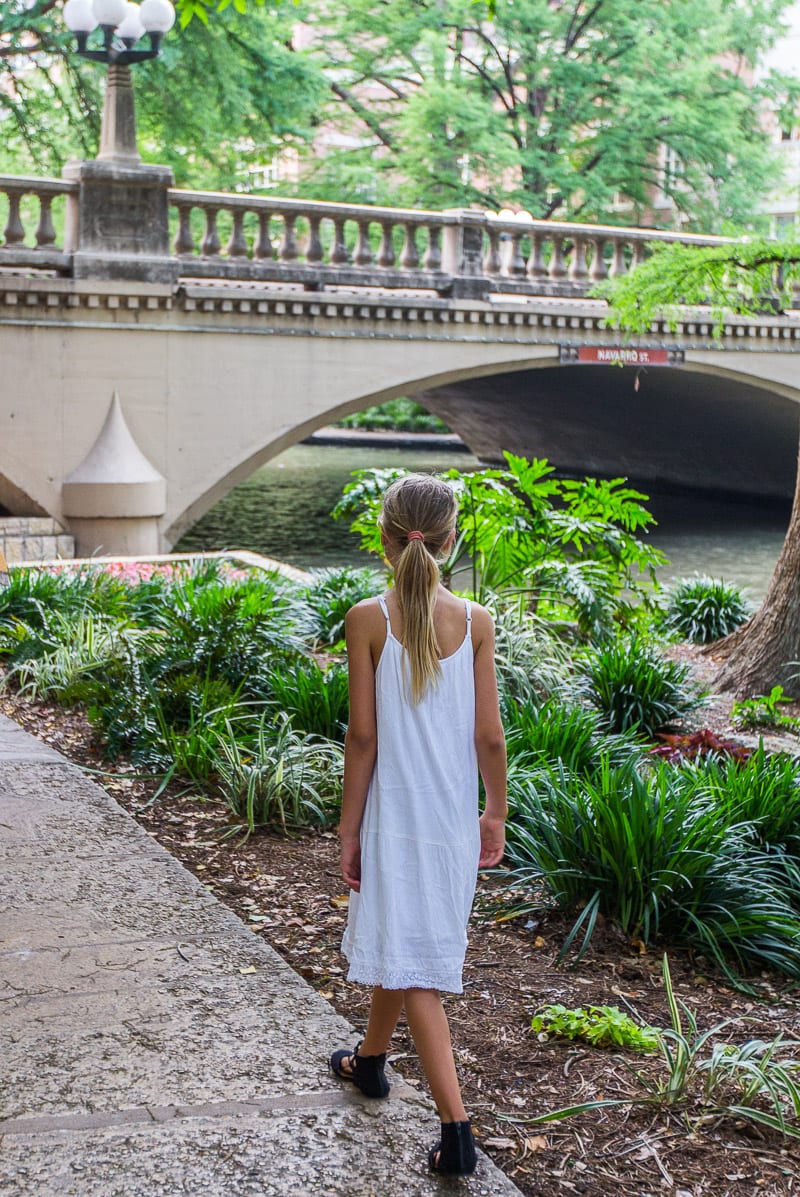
x=283 y=511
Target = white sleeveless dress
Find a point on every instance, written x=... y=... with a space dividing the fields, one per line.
x=420 y=838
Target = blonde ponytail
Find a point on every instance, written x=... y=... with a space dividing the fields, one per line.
x=418 y=515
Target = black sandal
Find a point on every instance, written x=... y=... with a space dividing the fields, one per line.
x=365 y=1072
x=454 y=1154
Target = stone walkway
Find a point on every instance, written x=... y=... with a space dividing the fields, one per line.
x=150 y=1044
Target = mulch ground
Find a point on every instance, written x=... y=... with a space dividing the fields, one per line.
x=290 y=892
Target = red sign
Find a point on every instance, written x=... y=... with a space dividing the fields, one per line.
x=620 y=355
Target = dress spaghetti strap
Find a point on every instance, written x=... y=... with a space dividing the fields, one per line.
x=385 y=610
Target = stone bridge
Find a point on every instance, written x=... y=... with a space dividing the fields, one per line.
x=232 y=326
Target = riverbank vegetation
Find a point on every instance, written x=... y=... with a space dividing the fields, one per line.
x=216 y=696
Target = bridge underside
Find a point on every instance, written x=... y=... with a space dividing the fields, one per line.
x=669 y=427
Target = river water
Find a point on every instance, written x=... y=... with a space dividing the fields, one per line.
x=283 y=511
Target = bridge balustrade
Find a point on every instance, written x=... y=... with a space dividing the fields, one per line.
x=314 y=244
x=29 y=234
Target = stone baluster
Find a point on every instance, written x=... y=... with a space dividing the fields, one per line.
x=515 y=263
x=491 y=259
x=264 y=244
x=433 y=254
x=339 y=254
x=14 y=231
x=45 y=231
x=363 y=254
x=409 y=256
x=237 y=245
x=618 y=264
x=287 y=250
x=386 y=256
x=184 y=241
x=578 y=270
x=537 y=267
x=558 y=266
x=210 y=245
x=314 y=243
x=598 y=270
x=639 y=253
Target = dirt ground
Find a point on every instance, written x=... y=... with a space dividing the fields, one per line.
x=290 y=892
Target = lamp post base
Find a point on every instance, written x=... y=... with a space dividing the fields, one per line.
x=118 y=223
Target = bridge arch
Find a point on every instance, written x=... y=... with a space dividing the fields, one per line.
x=709 y=425
x=332 y=404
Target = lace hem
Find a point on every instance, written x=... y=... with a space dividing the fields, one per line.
x=388 y=979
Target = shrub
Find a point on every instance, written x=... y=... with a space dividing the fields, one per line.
x=559 y=732
x=227 y=628
x=763 y=791
x=332 y=593
x=68 y=656
x=34 y=596
x=635 y=688
x=401 y=415
x=645 y=852
x=704 y=609
x=281 y=780
x=314 y=700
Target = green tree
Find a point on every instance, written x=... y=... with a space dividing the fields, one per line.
x=744 y=277
x=563 y=108
x=223 y=96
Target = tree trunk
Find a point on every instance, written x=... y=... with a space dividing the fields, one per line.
x=765 y=651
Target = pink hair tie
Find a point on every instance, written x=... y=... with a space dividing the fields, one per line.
x=416 y=536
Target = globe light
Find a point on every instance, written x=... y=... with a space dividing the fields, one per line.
x=110 y=12
x=79 y=16
x=158 y=16
x=130 y=28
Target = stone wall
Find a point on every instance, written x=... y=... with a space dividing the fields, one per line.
x=34 y=538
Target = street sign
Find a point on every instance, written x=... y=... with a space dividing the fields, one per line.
x=619 y=355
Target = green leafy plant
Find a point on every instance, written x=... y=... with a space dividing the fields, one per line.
x=315 y=700
x=278 y=778
x=635 y=688
x=67 y=657
x=703 y=609
x=602 y=1026
x=560 y=732
x=764 y=711
x=332 y=592
x=652 y=853
x=570 y=546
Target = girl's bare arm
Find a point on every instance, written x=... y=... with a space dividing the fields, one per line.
x=361 y=741
x=490 y=742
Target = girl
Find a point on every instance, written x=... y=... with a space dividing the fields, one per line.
x=424 y=719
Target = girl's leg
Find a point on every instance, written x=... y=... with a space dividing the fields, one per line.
x=430 y=1030
x=384 y=1011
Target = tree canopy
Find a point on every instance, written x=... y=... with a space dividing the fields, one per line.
x=223 y=96
x=584 y=108
x=577 y=108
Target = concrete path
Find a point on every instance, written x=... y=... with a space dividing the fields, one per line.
x=150 y=1044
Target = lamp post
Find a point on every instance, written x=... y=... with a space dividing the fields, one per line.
x=117 y=226
x=122 y=24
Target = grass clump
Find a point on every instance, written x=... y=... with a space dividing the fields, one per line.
x=703 y=609
x=654 y=853
x=278 y=778
x=634 y=688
